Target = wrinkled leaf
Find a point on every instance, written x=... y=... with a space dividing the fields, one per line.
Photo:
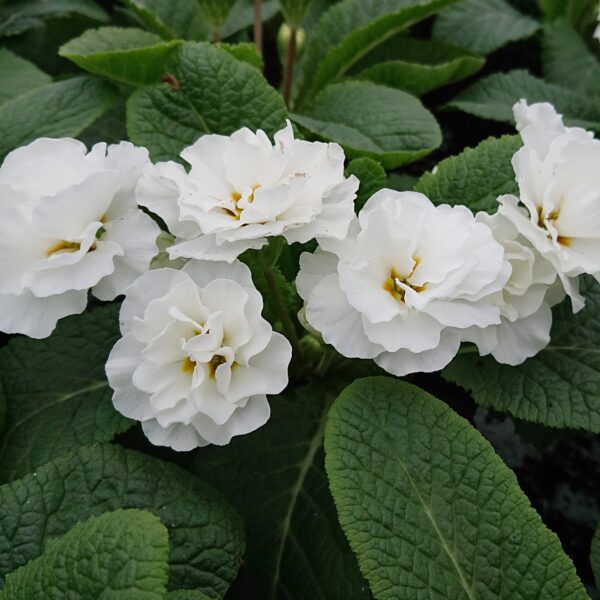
x=372 y=178
x=18 y=76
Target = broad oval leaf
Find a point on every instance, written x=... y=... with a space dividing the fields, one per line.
x=18 y=76
x=56 y=392
x=120 y=554
x=559 y=387
x=429 y=508
x=205 y=533
x=209 y=92
x=372 y=120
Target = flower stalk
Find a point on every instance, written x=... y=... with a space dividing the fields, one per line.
x=290 y=61
x=258 y=29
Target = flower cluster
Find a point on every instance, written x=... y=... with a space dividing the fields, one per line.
x=403 y=283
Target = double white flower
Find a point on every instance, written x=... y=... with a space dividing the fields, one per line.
x=68 y=223
x=242 y=189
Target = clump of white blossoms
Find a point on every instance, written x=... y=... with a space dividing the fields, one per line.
x=196 y=359
x=558 y=172
x=525 y=301
x=407 y=282
x=68 y=223
x=242 y=189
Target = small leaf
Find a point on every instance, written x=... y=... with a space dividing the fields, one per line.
x=372 y=178
x=429 y=508
x=372 y=120
x=294 y=11
x=121 y=554
x=483 y=26
x=475 y=177
x=18 y=76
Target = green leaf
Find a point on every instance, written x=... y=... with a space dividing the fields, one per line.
x=214 y=93
x=567 y=61
x=581 y=13
x=121 y=554
x=372 y=178
x=294 y=11
x=350 y=30
x=205 y=533
x=417 y=66
x=109 y=128
x=125 y=54
x=18 y=76
x=372 y=120
x=56 y=392
x=559 y=387
x=595 y=557
x=62 y=109
x=429 y=508
x=216 y=11
x=402 y=182
x=186 y=595
x=246 y=52
x=275 y=478
x=493 y=98
x=475 y=177
x=21 y=15
x=483 y=26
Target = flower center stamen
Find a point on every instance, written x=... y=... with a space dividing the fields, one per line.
x=216 y=361
x=393 y=287
x=236 y=211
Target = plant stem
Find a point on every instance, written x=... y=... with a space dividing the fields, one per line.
x=290 y=61
x=217 y=34
x=258 y=29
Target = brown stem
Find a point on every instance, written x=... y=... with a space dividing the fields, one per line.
x=258 y=29
x=290 y=61
x=217 y=34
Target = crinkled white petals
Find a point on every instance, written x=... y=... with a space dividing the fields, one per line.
x=68 y=223
x=241 y=190
x=196 y=360
x=597 y=30
x=405 y=283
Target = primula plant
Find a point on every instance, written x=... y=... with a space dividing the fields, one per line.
x=299 y=299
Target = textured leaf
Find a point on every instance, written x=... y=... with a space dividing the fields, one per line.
x=494 y=97
x=403 y=182
x=214 y=93
x=18 y=76
x=294 y=11
x=206 y=535
x=186 y=595
x=372 y=120
x=595 y=557
x=121 y=554
x=275 y=478
x=429 y=508
x=216 y=11
x=125 y=54
x=352 y=28
x=559 y=387
x=417 y=66
x=483 y=26
x=475 y=177
x=246 y=52
x=372 y=178
x=56 y=392
x=581 y=13
x=62 y=109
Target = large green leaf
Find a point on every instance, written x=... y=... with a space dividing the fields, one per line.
x=595 y=557
x=483 y=26
x=206 y=534
x=275 y=478
x=417 y=66
x=559 y=387
x=494 y=97
x=372 y=178
x=56 y=392
x=121 y=554
x=18 y=76
x=211 y=92
x=475 y=177
x=61 y=109
x=125 y=54
x=350 y=30
x=581 y=13
x=186 y=595
x=429 y=508
x=372 y=120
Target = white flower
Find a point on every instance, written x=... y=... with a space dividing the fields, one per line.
x=558 y=172
x=68 y=223
x=196 y=359
x=524 y=302
x=242 y=189
x=597 y=30
x=406 y=282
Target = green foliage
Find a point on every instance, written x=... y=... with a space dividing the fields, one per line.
x=489 y=174
x=124 y=54
x=559 y=387
x=294 y=11
x=483 y=26
x=211 y=92
x=372 y=120
x=205 y=533
x=186 y=595
x=275 y=478
x=494 y=97
x=372 y=178
x=580 y=13
x=122 y=554
x=245 y=52
x=216 y=11
x=62 y=109
x=595 y=557
x=18 y=76
x=56 y=392
x=429 y=508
